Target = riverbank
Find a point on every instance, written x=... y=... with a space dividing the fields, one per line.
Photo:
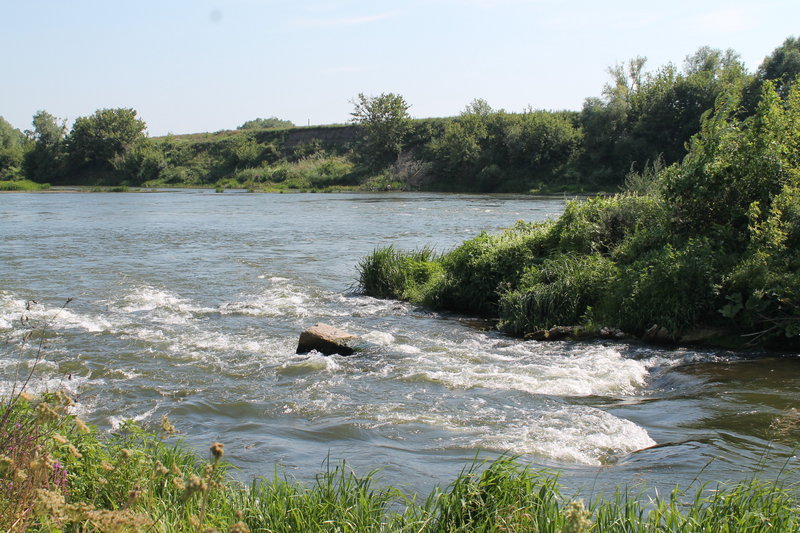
x=707 y=250
x=58 y=473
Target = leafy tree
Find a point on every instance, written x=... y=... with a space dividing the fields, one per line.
x=386 y=123
x=12 y=149
x=144 y=162
x=266 y=123
x=45 y=161
x=96 y=141
x=782 y=66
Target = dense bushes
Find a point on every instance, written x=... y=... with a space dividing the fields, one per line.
x=713 y=242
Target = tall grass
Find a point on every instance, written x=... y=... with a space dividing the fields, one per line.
x=59 y=474
x=23 y=185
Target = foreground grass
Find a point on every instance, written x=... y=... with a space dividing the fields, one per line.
x=57 y=474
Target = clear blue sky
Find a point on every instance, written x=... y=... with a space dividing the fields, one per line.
x=196 y=65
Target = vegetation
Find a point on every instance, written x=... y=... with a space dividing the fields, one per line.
x=58 y=474
x=708 y=243
x=266 y=124
x=641 y=118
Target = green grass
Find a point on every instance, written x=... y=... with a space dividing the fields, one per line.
x=23 y=185
x=73 y=478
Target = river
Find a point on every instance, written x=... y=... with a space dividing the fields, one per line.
x=189 y=304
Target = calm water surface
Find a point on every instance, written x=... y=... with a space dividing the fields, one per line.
x=189 y=304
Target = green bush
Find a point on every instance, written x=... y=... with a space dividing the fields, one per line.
x=672 y=287
x=389 y=273
x=559 y=292
x=480 y=269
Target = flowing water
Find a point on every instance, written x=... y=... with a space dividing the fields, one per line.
x=189 y=304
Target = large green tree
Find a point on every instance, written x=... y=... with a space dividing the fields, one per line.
x=12 y=149
x=96 y=141
x=386 y=122
x=45 y=161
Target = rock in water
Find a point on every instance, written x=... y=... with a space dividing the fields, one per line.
x=326 y=340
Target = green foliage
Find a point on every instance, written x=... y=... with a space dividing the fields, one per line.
x=22 y=185
x=478 y=271
x=266 y=124
x=58 y=474
x=734 y=162
x=386 y=122
x=96 y=141
x=388 y=273
x=782 y=66
x=558 y=292
x=673 y=287
x=143 y=163
x=44 y=162
x=12 y=149
x=601 y=224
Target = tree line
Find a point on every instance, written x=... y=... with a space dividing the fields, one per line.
x=642 y=118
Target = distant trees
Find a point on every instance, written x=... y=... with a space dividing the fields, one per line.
x=266 y=124
x=386 y=123
x=12 y=150
x=96 y=141
x=643 y=116
x=45 y=161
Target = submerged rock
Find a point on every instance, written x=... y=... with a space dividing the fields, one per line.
x=326 y=340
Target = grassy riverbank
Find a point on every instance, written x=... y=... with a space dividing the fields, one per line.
x=704 y=250
x=57 y=474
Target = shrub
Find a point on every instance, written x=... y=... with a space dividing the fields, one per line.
x=672 y=287
x=560 y=291
x=389 y=273
x=478 y=270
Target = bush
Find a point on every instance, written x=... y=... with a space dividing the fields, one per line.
x=480 y=269
x=389 y=273
x=559 y=292
x=672 y=287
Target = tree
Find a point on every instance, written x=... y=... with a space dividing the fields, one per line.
x=96 y=141
x=266 y=124
x=12 y=148
x=386 y=122
x=45 y=161
x=782 y=66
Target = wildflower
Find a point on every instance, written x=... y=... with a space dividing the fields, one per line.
x=126 y=453
x=74 y=451
x=576 y=518
x=166 y=426
x=45 y=413
x=178 y=483
x=108 y=467
x=49 y=503
x=239 y=527
x=59 y=439
x=134 y=495
x=175 y=470
x=81 y=425
x=26 y=396
x=217 y=450
x=160 y=469
x=195 y=485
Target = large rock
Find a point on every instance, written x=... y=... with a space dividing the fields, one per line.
x=327 y=340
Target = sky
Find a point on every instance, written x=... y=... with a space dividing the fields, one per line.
x=191 y=66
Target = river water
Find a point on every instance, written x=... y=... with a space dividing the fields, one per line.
x=189 y=304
